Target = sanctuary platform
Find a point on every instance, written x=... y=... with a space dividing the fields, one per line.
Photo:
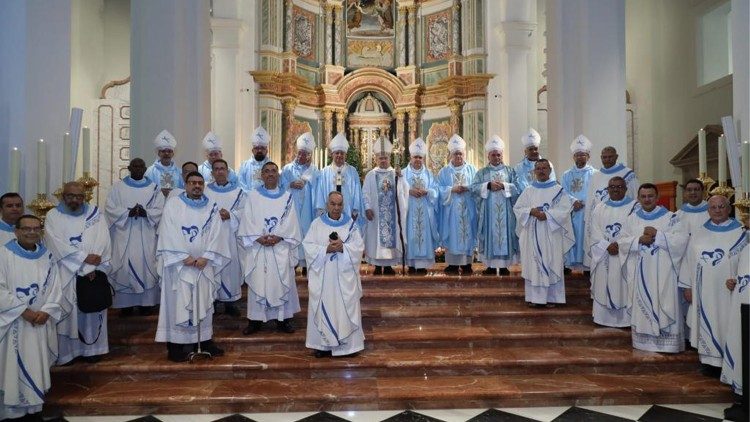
x=432 y=341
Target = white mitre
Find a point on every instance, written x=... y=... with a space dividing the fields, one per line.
x=211 y=142
x=306 y=142
x=382 y=146
x=531 y=138
x=339 y=143
x=261 y=138
x=418 y=147
x=580 y=144
x=165 y=140
x=456 y=143
x=494 y=144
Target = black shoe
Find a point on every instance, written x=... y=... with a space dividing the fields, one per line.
x=421 y=271
x=466 y=269
x=211 y=347
x=146 y=310
x=504 y=271
x=252 y=327
x=378 y=270
x=127 y=312
x=451 y=269
x=231 y=309
x=285 y=326
x=178 y=352
x=736 y=413
x=388 y=270
x=567 y=271
x=711 y=371
x=304 y=272
x=411 y=270
x=587 y=273
x=489 y=271
x=322 y=353
x=92 y=359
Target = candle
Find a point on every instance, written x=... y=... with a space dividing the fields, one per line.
x=325 y=158
x=15 y=170
x=701 y=151
x=746 y=166
x=722 y=159
x=67 y=157
x=86 y=149
x=41 y=165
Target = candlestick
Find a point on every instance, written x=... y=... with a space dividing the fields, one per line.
x=746 y=166
x=41 y=167
x=702 y=152
x=67 y=157
x=15 y=170
x=722 y=159
x=86 y=149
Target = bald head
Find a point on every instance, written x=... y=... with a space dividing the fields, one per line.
x=719 y=209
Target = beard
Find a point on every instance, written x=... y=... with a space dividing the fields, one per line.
x=259 y=157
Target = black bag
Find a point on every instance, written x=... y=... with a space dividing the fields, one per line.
x=93 y=295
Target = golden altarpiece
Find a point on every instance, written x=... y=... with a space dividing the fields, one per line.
x=370 y=68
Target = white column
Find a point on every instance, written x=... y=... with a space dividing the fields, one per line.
x=456 y=25
x=339 y=26
x=741 y=67
x=401 y=33
x=170 y=73
x=289 y=39
x=226 y=80
x=328 y=20
x=35 y=57
x=412 y=28
x=586 y=75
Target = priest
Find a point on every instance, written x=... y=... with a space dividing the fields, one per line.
x=651 y=248
x=269 y=233
x=164 y=172
x=525 y=168
x=191 y=250
x=611 y=291
x=30 y=307
x=77 y=236
x=11 y=208
x=458 y=210
x=710 y=261
x=212 y=147
x=575 y=181
x=731 y=369
x=545 y=234
x=333 y=247
x=341 y=177
x=249 y=173
x=494 y=188
x=386 y=197
x=300 y=178
x=133 y=208
x=230 y=199
x=421 y=214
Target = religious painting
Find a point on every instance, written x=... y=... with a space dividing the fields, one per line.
x=363 y=52
x=437 y=144
x=304 y=34
x=438 y=36
x=370 y=18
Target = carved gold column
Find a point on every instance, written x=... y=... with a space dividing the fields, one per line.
x=327 y=125
x=400 y=115
x=413 y=122
x=412 y=35
x=328 y=34
x=338 y=10
x=289 y=39
x=287 y=106
x=455 y=107
x=340 y=119
x=402 y=11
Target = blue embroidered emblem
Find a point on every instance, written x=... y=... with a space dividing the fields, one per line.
x=76 y=240
x=30 y=291
x=742 y=283
x=613 y=230
x=602 y=194
x=271 y=223
x=190 y=232
x=714 y=257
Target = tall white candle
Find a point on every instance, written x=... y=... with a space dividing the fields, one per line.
x=41 y=166
x=746 y=166
x=15 y=170
x=67 y=157
x=702 y=151
x=722 y=159
x=86 y=149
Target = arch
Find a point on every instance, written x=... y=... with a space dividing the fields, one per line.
x=371 y=79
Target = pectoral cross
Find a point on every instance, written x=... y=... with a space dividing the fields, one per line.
x=339 y=181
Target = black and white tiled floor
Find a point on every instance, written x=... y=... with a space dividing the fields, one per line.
x=645 y=413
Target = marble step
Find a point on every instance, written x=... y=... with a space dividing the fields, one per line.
x=133 y=397
x=405 y=337
x=439 y=280
x=128 y=365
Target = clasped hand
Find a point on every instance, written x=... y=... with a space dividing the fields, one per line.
x=538 y=213
x=417 y=193
x=335 y=246
x=496 y=185
x=459 y=189
x=35 y=317
x=137 y=211
x=268 y=240
x=93 y=259
x=199 y=263
x=224 y=214
x=297 y=184
x=648 y=236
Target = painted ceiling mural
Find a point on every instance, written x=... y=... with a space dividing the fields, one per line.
x=370 y=33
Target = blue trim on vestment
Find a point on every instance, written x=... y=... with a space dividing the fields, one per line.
x=17 y=249
x=136 y=183
x=657 y=212
x=335 y=223
x=193 y=203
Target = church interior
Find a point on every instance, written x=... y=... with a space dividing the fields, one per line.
x=86 y=85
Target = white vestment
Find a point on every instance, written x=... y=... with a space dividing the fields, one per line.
x=656 y=319
x=134 y=276
x=543 y=244
x=610 y=290
x=231 y=198
x=71 y=238
x=334 y=316
x=731 y=369
x=189 y=228
x=269 y=270
x=28 y=280
x=383 y=234
x=691 y=218
x=711 y=258
x=7 y=232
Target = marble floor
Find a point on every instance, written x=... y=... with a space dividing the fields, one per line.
x=705 y=412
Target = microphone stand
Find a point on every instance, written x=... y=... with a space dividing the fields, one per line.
x=398 y=150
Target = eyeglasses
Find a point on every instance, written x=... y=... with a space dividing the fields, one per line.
x=717 y=207
x=615 y=187
x=74 y=196
x=28 y=230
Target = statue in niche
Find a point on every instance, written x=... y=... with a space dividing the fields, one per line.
x=369 y=17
